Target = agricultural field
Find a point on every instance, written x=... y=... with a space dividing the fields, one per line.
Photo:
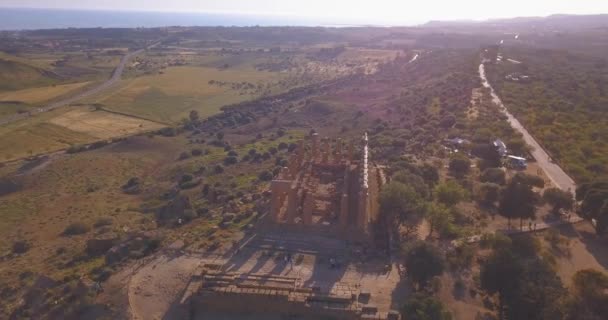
x=102 y=124
x=169 y=97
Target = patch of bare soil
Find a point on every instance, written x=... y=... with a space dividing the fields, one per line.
x=155 y=289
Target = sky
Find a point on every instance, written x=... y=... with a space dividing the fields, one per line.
x=372 y=11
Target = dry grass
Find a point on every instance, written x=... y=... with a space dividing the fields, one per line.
x=101 y=124
x=42 y=94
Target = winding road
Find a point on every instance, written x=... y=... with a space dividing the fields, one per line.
x=116 y=76
x=557 y=175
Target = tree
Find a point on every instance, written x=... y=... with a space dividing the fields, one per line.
x=594 y=197
x=531 y=180
x=493 y=175
x=194 y=117
x=430 y=174
x=459 y=165
x=488 y=193
x=401 y=204
x=413 y=180
x=423 y=262
x=449 y=193
x=490 y=158
x=527 y=286
x=559 y=199
x=517 y=200
x=591 y=290
x=421 y=306
x=438 y=217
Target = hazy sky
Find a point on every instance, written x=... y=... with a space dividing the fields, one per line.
x=389 y=11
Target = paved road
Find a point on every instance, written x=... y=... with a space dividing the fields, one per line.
x=552 y=170
x=116 y=75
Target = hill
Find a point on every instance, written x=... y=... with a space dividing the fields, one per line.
x=16 y=75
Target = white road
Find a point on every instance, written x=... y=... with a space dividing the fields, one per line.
x=552 y=170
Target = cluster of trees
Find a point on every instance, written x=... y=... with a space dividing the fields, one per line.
x=415 y=193
x=527 y=286
x=594 y=203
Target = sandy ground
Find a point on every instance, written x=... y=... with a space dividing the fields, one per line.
x=157 y=286
x=103 y=125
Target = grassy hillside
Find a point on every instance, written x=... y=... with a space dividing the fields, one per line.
x=15 y=75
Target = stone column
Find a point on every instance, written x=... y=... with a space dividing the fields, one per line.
x=294 y=166
x=344 y=210
x=278 y=189
x=309 y=203
x=362 y=217
x=338 y=154
x=301 y=150
x=315 y=146
x=351 y=151
x=292 y=204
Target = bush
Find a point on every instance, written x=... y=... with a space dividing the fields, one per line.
x=218 y=169
x=488 y=193
x=531 y=180
x=230 y=160
x=101 y=222
x=21 y=246
x=265 y=176
x=422 y=306
x=493 y=175
x=196 y=152
x=76 y=228
x=184 y=155
x=459 y=166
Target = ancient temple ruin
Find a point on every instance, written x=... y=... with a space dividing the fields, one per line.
x=327 y=185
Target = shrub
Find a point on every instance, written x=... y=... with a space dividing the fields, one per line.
x=459 y=166
x=488 y=193
x=21 y=246
x=450 y=193
x=230 y=160
x=196 y=152
x=531 y=180
x=218 y=169
x=184 y=155
x=101 y=222
x=493 y=175
x=265 y=175
x=76 y=228
x=283 y=146
x=233 y=153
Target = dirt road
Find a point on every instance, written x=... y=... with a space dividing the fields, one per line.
x=116 y=75
x=552 y=170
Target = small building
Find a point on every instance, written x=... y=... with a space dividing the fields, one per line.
x=501 y=147
x=517 y=162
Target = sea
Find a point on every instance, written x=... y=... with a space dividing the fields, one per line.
x=28 y=19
